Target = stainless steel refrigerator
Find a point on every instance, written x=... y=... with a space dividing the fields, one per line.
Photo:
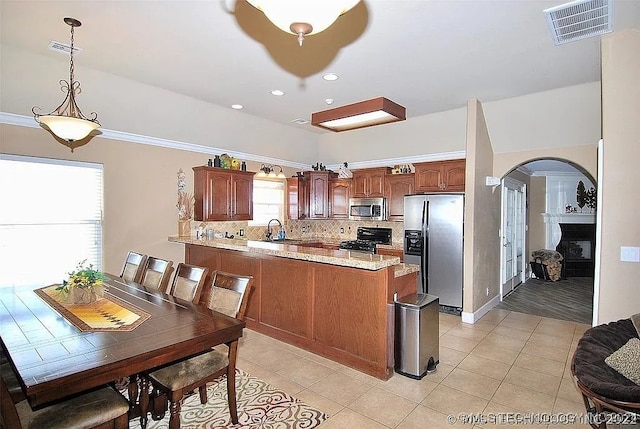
x=433 y=227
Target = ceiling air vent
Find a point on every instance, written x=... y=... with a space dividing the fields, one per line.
x=300 y=121
x=63 y=47
x=579 y=20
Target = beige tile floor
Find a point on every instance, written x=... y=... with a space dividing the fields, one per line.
x=505 y=363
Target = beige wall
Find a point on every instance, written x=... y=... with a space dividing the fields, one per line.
x=585 y=156
x=537 y=205
x=428 y=134
x=481 y=217
x=552 y=121
x=619 y=205
x=563 y=117
x=133 y=107
x=140 y=189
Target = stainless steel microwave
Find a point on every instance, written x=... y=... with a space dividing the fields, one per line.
x=368 y=208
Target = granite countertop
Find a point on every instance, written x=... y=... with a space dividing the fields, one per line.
x=290 y=250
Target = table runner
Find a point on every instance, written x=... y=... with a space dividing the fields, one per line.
x=106 y=314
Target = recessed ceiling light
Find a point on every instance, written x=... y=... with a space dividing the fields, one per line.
x=330 y=76
x=277 y=92
x=237 y=106
x=329 y=101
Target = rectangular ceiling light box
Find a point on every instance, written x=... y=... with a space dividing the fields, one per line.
x=579 y=20
x=359 y=115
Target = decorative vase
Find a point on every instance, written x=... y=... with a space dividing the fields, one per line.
x=78 y=295
x=184 y=228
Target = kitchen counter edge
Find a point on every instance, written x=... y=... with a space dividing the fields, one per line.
x=312 y=254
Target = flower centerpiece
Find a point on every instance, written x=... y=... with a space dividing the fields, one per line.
x=185 y=204
x=84 y=285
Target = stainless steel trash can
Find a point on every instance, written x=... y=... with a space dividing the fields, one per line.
x=417 y=335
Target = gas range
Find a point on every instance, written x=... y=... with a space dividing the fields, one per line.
x=367 y=238
x=359 y=246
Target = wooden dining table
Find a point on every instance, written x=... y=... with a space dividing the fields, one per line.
x=53 y=358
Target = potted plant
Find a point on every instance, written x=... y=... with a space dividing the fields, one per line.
x=84 y=285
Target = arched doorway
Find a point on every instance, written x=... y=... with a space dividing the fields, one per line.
x=551 y=189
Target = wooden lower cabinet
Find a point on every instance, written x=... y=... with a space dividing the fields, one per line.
x=342 y=313
x=285 y=301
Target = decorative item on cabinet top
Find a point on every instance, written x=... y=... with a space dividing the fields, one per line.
x=402 y=169
x=319 y=167
x=226 y=161
x=344 y=172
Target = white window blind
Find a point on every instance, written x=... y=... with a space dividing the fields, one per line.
x=268 y=201
x=50 y=218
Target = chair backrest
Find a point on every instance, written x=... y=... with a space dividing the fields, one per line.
x=156 y=273
x=188 y=282
x=133 y=266
x=230 y=293
x=8 y=413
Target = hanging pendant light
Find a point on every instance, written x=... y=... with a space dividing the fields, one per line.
x=67 y=121
x=303 y=17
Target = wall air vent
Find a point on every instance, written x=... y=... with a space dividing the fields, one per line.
x=580 y=19
x=63 y=47
x=300 y=121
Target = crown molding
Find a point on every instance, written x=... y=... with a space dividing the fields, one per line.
x=443 y=156
x=30 y=122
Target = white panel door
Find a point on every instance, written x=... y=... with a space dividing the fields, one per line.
x=513 y=233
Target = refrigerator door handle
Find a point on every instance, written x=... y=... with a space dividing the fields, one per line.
x=425 y=245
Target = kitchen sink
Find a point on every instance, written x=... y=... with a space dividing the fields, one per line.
x=278 y=240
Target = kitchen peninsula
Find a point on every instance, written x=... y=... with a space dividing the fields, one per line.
x=335 y=303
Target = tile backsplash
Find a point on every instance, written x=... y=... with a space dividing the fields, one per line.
x=330 y=229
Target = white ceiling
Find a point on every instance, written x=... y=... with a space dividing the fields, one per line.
x=429 y=56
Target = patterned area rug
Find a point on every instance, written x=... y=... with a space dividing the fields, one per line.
x=260 y=406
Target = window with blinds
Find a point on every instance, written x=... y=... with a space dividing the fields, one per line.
x=268 y=201
x=50 y=218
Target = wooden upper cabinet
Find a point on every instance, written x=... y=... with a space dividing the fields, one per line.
x=222 y=194
x=297 y=198
x=440 y=176
x=369 y=182
x=339 y=194
x=396 y=187
x=318 y=184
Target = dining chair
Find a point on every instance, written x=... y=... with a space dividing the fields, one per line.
x=10 y=380
x=156 y=273
x=103 y=408
x=229 y=295
x=188 y=282
x=133 y=267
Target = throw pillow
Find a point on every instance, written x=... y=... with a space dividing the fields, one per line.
x=626 y=360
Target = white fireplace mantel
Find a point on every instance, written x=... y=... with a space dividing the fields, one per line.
x=553 y=221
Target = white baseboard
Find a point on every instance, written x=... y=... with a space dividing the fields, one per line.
x=475 y=316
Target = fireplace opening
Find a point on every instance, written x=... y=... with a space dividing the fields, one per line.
x=577 y=246
x=578 y=250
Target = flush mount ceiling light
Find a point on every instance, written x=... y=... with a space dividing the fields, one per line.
x=579 y=19
x=67 y=121
x=268 y=170
x=303 y=17
x=359 y=115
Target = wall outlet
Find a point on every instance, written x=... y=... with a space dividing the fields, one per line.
x=341 y=230
x=487 y=291
x=241 y=233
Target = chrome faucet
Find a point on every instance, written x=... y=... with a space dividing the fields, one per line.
x=269 y=233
